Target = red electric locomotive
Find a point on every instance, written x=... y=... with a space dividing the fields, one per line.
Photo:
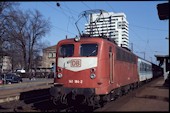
x=92 y=70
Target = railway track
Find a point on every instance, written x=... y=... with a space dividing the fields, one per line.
x=39 y=101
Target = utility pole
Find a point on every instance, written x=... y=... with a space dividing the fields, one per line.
x=131 y=47
x=143 y=54
x=151 y=59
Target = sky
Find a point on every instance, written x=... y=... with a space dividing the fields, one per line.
x=147 y=33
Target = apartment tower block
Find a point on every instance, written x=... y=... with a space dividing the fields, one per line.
x=111 y=25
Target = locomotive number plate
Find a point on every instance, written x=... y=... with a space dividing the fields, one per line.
x=75 y=63
x=75 y=81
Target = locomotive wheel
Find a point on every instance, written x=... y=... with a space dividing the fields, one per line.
x=132 y=87
x=126 y=89
x=56 y=100
x=64 y=99
x=106 y=98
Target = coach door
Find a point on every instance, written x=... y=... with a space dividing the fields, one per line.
x=111 y=64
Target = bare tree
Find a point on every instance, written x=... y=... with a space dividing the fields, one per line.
x=25 y=30
x=37 y=29
x=5 y=8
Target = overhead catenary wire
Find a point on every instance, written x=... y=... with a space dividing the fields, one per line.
x=71 y=10
x=68 y=12
x=71 y=15
x=147 y=41
x=55 y=8
x=86 y=5
x=65 y=9
x=114 y=11
x=110 y=6
x=63 y=30
x=147 y=28
x=137 y=46
x=142 y=27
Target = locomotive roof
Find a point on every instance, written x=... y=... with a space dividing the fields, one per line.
x=111 y=40
x=105 y=39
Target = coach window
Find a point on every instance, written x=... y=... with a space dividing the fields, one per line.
x=88 y=50
x=66 y=50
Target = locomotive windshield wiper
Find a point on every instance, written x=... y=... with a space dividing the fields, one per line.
x=92 y=53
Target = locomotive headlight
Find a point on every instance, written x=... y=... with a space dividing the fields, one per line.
x=77 y=38
x=92 y=70
x=59 y=75
x=92 y=76
x=59 y=70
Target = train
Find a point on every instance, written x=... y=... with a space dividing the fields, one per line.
x=95 y=70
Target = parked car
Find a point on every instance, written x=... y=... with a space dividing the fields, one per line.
x=1 y=80
x=20 y=71
x=12 y=78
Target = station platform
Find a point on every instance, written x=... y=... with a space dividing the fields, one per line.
x=10 y=92
x=152 y=96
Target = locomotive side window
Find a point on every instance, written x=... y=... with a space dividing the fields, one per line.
x=66 y=50
x=88 y=49
x=124 y=56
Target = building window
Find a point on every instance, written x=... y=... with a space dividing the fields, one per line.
x=50 y=55
x=54 y=54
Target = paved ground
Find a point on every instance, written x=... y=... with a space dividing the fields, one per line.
x=150 y=97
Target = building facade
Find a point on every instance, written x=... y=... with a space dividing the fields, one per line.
x=112 y=25
x=5 y=64
x=49 y=57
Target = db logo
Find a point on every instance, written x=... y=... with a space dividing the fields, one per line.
x=75 y=63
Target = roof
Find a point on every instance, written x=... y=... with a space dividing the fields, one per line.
x=163 y=11
x=50 y=47
x=3 y=53
x=162 y=57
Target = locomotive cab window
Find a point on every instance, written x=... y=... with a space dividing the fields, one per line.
x=88 y=50
x=66 y=50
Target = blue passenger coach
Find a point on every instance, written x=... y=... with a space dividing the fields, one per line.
x=144 y=70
